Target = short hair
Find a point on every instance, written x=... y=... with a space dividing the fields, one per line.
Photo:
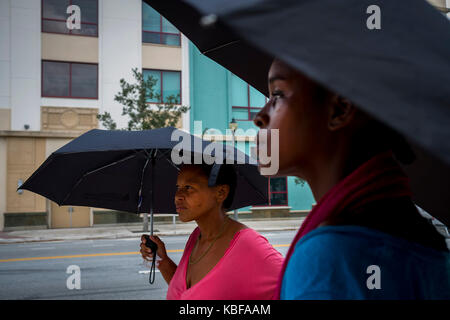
x=378 y=135
x=384 y=138
x=226 y=176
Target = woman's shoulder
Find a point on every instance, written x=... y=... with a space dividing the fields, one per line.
x=254 y=248
x=255 y=242
x=338 y=241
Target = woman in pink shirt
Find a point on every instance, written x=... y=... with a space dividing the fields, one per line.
x=223 y=259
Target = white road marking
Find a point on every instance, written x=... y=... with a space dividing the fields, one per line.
x=102 y=245
x=42 y=248
x=147 y=271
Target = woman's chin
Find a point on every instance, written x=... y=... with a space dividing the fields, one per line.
x=184 y=217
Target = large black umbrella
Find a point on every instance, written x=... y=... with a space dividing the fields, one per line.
x=399 y=74
x=133 y=171
x=136 y=171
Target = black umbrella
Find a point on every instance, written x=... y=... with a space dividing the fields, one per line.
x=133 y=171
x=399 y=74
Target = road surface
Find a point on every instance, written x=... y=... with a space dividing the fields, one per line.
x=109 y=269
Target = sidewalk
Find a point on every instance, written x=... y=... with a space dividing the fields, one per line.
x=135 y=230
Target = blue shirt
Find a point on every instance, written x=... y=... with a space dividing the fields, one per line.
x=353 y=262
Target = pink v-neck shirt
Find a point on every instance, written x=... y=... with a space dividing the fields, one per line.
x=248 y=270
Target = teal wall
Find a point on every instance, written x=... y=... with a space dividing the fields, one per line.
x=299 y=197
x=213 y=90
x=209 y=92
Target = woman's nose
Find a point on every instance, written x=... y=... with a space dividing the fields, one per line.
x=261 y=119
x=179 y=195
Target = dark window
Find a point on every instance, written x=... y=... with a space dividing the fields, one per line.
x=278 y=194
x=69 y=80
x=84 y=80
x=278 y=191
x=168 y=84
x=156 y=29
x=246 y=101
x=55 y=79
x=54 y=17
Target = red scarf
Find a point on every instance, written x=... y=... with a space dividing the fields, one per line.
x=379 y=178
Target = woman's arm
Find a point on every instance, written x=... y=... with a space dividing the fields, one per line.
x=167 y=268
x=165 y=265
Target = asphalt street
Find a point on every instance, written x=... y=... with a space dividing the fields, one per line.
x=109 y=269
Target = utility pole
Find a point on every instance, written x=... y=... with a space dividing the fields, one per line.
x=233 y=126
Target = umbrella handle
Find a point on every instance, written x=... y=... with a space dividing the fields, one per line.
x=151 y=277
x=154 y=247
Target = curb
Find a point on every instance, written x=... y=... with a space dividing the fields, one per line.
x=120 y=236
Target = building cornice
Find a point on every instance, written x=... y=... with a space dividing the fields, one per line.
x=39 y=134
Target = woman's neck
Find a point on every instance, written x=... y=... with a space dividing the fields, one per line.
x=328 y=170
x=210 y=224
x=337 y=162
x=326 y=175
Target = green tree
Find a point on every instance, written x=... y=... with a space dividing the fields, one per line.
x=299 y=181
x=134 y=98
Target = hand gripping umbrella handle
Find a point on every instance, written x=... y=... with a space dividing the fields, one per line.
x=154 y=247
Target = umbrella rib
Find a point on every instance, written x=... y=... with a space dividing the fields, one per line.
x=220 y=47
x=93 y=171
x=164 y=155
x=149 y=155
x=251 y=184
x=142 y=182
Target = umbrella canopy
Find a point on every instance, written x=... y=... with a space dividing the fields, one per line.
x=120 y=170
x=399 y=74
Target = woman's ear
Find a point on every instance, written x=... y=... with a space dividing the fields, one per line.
x=341 y=112
x=222 y=192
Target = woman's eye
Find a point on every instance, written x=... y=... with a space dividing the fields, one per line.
x=275 y=96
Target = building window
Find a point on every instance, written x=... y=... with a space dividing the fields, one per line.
x=54 y=17
x=168 y=85
x=246 y=101
x=69 y=80
x=156 y=29
x=277 y=192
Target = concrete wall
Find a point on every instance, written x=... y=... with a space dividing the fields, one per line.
x=25 y=63
x=120 y=50
x=3 y=180
x=5 y=58
x=5 y=119
x=24 y=156
x=157 y=56
x=69 y=48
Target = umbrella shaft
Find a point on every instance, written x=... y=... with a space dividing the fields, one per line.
x=151 y=192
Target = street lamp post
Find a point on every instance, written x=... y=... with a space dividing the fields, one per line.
x=233 y=126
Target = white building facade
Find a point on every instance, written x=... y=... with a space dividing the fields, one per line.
x=56 y=78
